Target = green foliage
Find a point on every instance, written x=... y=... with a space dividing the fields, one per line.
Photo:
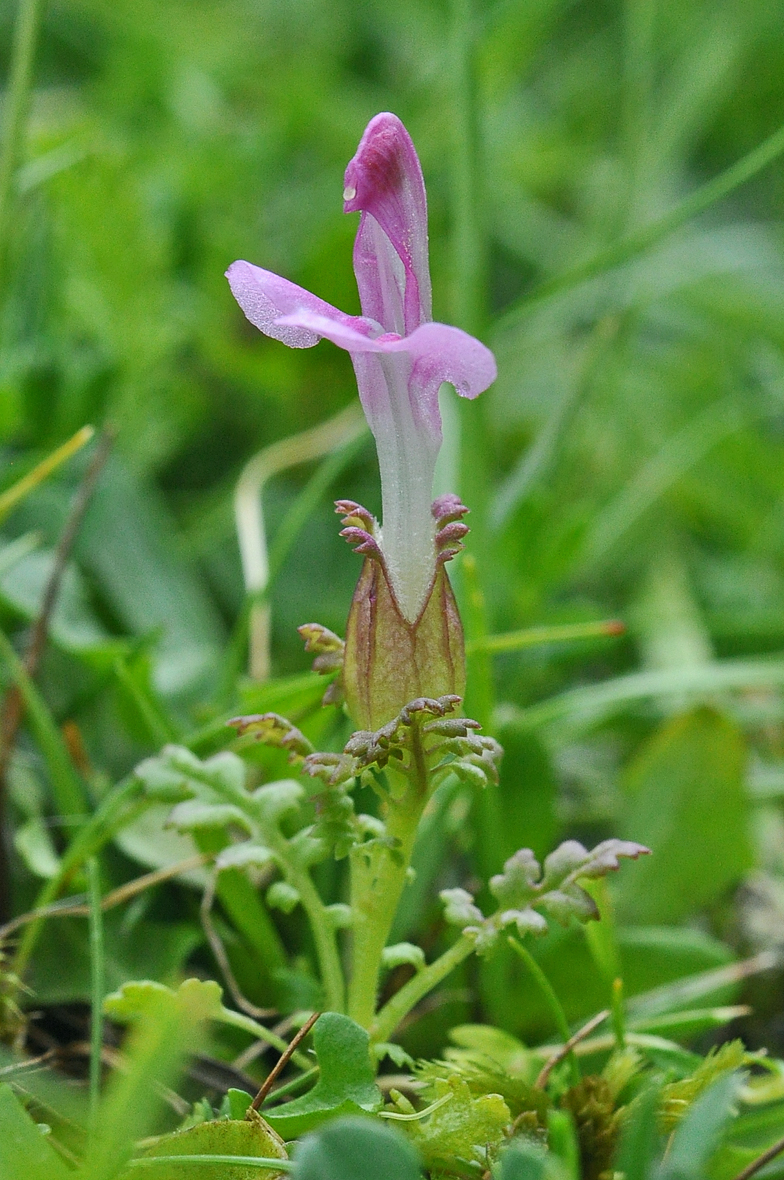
x=689 y=803
x=523 y=1162
x=346 y=1079
x=136 y=1000
x=678 y=1096
x=463 y=1131
x=699 y=1134
x=524 y=885
x=220 y=1137
x=350 y=1149
x=628 y=463
x=23 y=1148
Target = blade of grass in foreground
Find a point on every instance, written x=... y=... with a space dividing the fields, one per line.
x=538 y=636
x=158 y=1045
x=28 y=483
x=201 y=1161
x=97 y=989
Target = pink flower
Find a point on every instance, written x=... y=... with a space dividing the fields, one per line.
x=400 y=356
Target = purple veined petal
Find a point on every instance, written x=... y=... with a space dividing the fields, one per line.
x=267 y=299
x=384 y=182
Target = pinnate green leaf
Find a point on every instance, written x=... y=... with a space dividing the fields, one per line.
x=239 y=856
x=192 y=814
x=522 y=888
x=201 y=998
x=465 y=1130
x=176 y=773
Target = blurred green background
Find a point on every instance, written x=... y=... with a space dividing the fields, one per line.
x=628 y=463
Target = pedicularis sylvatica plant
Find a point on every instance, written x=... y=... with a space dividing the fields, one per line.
x=401 y=670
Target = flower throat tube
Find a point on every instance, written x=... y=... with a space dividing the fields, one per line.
x=404 y=638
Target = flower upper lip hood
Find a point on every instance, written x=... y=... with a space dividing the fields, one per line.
x=400 y=356
x=384 y=183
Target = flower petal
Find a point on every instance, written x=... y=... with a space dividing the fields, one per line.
x=438 y=353
x=347 y=332
x=266 y=299
x=384 y=182
x=398 y=380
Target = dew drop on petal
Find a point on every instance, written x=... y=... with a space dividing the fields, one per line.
x=349 y=193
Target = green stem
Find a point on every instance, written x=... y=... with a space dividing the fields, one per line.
x=618 y=1013
x=97 y=989
x=324 y=938
x=550 y=998
x=412 y=992
x=321 y=925
x=378 y=877
x=535 y=636
x=17 y=99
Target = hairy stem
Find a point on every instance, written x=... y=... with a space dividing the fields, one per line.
x=378 y=877
x=417 y=988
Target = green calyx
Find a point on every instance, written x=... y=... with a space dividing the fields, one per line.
x=390 y=661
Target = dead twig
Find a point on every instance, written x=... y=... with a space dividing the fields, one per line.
x=761 y=1160
x=73 y=907
x=283 y=1061
x=565 y=1050
x=12 y=712
x=259 y=1048
x=13 y=707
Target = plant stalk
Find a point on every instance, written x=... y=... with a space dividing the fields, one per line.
x=417 y=988
x=378 y=877
x=321 y=927
x=97 y=989
x=17 y=100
